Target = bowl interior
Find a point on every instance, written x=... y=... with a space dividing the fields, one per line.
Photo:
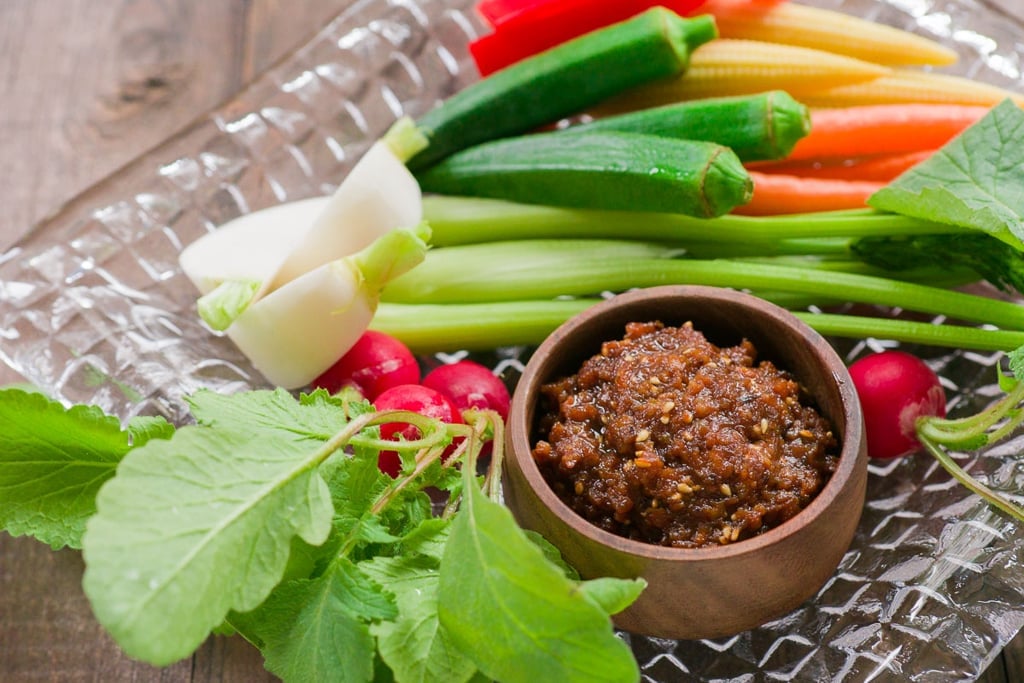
x=725 y=317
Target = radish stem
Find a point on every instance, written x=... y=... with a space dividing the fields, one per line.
x=992 y=497
x=999 y=420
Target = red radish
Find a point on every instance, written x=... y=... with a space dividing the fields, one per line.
x=470 y=385
x=416 y=398
x=895 y=388
x=373 y=365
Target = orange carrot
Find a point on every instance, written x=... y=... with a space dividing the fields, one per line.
x=777 y=194
x=878 y=167
x=883 y=129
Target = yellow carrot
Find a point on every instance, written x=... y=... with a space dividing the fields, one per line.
x=740 y=67
x=823 y=29
x=907 y=85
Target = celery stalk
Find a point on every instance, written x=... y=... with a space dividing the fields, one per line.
x=428 y=328
x=464 y=220
x=544 y=269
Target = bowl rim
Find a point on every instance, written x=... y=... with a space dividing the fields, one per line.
x=853 y=431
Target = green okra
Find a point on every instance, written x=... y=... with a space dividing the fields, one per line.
x=562 y=81
x=601 y=170
x=757 y=127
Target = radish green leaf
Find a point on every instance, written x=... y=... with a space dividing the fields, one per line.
x=416 y=647
x=611 y=594
x=199 y=525
x=515 y=613
x=54 y=460
x=319 y=629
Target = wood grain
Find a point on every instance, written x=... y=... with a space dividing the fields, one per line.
x=88 y=86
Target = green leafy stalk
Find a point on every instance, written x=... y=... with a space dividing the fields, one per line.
x=912 y=332
x=270 y=518
x=242 y=484
x=543 y=269
x=318 y=629
x=154 y=550
x=465 y=220
x=429 y=328
x=996 y=261
x=390 y=255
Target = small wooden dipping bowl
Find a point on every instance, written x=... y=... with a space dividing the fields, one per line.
x=711 y=591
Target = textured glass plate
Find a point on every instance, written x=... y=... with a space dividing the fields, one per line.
x=94 y=309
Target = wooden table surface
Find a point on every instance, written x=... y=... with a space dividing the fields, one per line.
x=87 y=86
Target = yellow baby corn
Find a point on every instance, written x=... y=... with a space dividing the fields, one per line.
x=740 y=67
x=911 y=86
x=823 y=29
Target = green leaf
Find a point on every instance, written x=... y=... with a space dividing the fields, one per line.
x=1016 y=361
x=316 y=416
x=318 y=629
x=975 y=181
x=552 y=553
x=612 y=595
x=194 y=527
x=999 y=263
x=515 y=613
x=416 y=647
x=52 y=463
x=143 y=428
x=428 y=538
x=355 y=482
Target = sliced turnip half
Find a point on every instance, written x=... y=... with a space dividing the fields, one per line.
x=273 y=246
x=250 y=247
x=300 y=329
x=378 y=195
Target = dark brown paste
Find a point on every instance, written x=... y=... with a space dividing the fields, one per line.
x=666 y=438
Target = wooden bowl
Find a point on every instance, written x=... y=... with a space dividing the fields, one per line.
x=705 y=592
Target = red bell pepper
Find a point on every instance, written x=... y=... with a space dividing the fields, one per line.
x=495 y=12
x=525 y=27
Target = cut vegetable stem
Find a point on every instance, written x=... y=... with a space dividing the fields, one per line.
x=542 y=269
x=428 y=328
x=465 y=220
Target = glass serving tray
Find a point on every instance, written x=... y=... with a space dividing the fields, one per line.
x=93 y=309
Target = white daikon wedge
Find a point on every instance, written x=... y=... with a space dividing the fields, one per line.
x=250 y=247
x=378 y=195
x=294 y=333
x=275 y=245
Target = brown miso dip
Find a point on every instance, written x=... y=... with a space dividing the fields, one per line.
x=668 y=439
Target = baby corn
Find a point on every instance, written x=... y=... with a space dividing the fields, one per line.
x=832 y=31
x=739 y=67
x=906 y=85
